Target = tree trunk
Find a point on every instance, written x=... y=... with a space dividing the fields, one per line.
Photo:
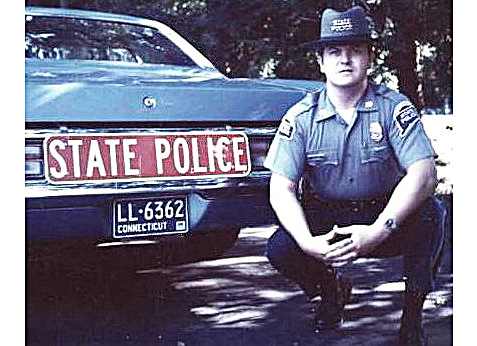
x=403 y=57
x=406 y=68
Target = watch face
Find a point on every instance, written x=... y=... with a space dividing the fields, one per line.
x=390 y=224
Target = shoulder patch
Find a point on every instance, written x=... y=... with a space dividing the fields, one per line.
x=287 y=126
x=405 y=115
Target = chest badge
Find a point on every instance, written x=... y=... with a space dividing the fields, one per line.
x=376 y=131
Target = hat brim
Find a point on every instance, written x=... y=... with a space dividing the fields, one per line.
x=345 y=40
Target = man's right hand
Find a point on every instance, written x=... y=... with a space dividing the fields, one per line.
x=319 y=246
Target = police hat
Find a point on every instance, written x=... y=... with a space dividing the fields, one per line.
x=344 y=26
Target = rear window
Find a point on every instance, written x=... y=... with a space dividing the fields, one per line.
x=83 y=39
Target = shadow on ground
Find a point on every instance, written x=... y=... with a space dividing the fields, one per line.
x=236 y=300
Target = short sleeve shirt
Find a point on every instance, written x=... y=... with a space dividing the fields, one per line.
x=361 y=160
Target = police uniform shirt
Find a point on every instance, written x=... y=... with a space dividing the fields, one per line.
x=362 y=160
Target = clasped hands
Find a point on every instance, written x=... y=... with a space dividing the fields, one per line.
x=361 y=239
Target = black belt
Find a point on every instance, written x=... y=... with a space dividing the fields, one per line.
x=355 y=205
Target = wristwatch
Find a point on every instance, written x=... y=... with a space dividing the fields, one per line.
x=390 y=225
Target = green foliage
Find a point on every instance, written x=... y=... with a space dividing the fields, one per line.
x=271 y=38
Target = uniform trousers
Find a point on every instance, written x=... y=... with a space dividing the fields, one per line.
x=419 y=240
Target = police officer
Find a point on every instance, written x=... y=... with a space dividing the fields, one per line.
x=353 y=161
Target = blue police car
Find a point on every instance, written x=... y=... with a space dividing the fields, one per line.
x=135 y=142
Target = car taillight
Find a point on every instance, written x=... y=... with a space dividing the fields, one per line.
x=259 y=148
x=34 y=167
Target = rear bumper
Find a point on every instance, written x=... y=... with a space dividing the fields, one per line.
x=85 y=212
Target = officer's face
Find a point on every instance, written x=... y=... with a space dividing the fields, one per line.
x=345 y=65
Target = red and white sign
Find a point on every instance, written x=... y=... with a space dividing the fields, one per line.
x=139 y=156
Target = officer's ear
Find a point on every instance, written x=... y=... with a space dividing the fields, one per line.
x=320 y=50
x=371 y=52
x=371 y=55
x=319 y=58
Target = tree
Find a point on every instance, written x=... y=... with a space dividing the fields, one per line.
x=416 y=38
x=271 y=38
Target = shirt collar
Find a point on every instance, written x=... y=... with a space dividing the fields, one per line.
x=367 y=103
x=325 y=107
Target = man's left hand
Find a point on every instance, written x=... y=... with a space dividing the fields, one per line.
x=363 y=238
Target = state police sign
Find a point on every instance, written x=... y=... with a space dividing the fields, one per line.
x=140 y=156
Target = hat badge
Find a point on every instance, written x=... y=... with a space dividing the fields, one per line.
x=339 y=25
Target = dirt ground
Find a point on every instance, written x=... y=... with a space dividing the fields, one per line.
x=236 y=300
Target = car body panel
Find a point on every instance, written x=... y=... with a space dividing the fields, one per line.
x=78 y=97
x=52 y=95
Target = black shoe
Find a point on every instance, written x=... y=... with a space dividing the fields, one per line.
x=329 y=312
x=411 y=332
x=411 y=336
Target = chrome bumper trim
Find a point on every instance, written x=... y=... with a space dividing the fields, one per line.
x=41 y=189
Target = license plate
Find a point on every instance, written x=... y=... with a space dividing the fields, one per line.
x=149 y=217
x=74 y=158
